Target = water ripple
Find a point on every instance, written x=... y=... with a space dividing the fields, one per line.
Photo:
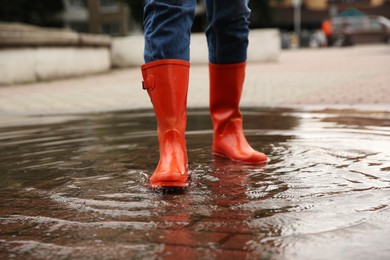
x=77 y=188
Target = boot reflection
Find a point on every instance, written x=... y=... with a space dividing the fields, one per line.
x=174 y=237
x=231 y=188
x=228 y=194
x=216 y=228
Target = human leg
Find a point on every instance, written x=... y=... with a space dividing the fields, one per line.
x=227 y=37
x=167 y=29
x=228 y=30
x=165 y=74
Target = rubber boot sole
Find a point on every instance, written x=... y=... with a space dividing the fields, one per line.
x=238 y=161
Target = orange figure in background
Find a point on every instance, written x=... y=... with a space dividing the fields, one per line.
x=327 y=30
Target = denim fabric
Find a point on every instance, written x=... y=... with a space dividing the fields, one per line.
x=168 y=29
x=167 y=26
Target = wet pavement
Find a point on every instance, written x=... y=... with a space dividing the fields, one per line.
x=344 y=76
x=75 y=186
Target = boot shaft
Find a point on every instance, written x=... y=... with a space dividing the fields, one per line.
x=226 y=83
x=167 y=84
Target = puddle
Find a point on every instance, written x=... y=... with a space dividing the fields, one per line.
x=75 y=187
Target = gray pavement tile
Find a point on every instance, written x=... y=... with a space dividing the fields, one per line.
x=348 y=76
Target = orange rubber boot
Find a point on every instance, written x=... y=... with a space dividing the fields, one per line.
x=226 y=82
x=167 y=83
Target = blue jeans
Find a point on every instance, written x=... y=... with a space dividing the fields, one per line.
x=168 y=23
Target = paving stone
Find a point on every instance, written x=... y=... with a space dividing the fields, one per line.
x=343 y=76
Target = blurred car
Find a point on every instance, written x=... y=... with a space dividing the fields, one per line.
x=360 y=29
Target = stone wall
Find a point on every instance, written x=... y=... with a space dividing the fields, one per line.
x=25 y=65
x=29 y=53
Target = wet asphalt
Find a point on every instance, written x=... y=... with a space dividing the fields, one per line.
x=76 y=155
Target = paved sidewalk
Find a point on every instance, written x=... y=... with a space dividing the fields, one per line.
x=347 y=76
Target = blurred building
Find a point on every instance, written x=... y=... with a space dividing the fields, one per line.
x=325 y=4
x=109 y=17
x=313 y=12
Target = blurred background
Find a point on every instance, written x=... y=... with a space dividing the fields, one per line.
x=300 y=21
x=93 y=36
x=77 y=136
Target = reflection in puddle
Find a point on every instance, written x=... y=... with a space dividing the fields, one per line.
x=77 y=188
